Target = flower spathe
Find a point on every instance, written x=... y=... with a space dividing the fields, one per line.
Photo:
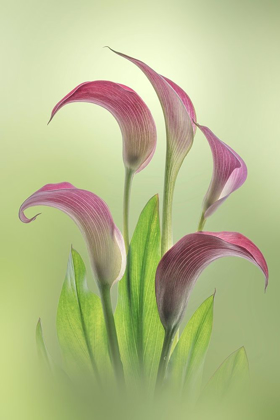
x=91 y=214
x=229 y=173
x=181 y=266
x=178 y=110
x=132 y=114
x=179 y=115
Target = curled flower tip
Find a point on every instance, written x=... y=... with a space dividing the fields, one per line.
x=178 y=111
x=91 y=214
x=229 y=173
x=132 y=114
x=181 y=266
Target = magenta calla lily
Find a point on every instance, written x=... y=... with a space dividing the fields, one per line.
x=132 y=114
x=178 y=111
x=229 y=173
x=91 y=214
x=181 y=266
x=180 y=117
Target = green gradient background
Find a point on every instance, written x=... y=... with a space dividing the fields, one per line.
x=225 y=54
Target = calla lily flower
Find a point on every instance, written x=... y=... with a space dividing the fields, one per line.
x=132 y=114
x=91 y=214
x=178 y=111
x=229 y=173
x=181 y=266
x=179 y=114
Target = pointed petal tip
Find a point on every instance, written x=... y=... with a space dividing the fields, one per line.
x=25 y=219
x=266 y=284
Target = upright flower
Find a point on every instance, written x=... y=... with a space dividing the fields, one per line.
x=135 y=121
x=104 y=242
x=179 y=114
x=182 y=265
x=229 y=173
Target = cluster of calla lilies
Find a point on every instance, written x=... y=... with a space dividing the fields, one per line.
x=181 y=264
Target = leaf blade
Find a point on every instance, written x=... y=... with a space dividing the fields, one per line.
x=41 y=346
x=80 y=322
x=145 y=333
x=228 y=377
x=187 y=360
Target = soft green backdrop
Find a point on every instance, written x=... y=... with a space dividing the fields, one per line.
x=225 y=54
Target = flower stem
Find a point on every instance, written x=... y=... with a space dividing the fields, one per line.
x=111 y=333
x=169 y=183
x=165 y=353
x=201 y=223
x=126 y=198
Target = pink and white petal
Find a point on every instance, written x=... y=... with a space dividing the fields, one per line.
x=91 y=214
x=182 y=265
x=132 y=114
x=250 y=248
x=186 y=101
x=229 y=172
x=175 y=105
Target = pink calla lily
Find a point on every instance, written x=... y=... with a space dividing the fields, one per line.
x=178 y=111
x=229 y=173
x=180 y=117
x=132 y=114
x=91 y=214
x=181 y=266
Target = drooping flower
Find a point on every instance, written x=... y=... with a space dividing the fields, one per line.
x=132 y=114
x=91 y=214
x=229 y=173
x=181 y=266
x=179 y=114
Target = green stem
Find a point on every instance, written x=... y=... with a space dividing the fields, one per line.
x=111 y=332
x=169 y=183
x=201 y=223
x=165 y=353
x=126 y=198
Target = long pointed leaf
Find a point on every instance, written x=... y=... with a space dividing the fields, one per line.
x=139 y=328
x=229 y=377
x=187 y=360
x=80 y=322
x=41 y=347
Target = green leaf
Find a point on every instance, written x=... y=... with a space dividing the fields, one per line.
x=41 y=347
x=229 y=377
x=80 y=323
x=139 y=328
x=187 y=360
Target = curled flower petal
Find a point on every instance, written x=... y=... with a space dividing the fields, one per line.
x=229 y=173
x=132 y=114
x=181 y=266
x=91 y=214
x=178 y=112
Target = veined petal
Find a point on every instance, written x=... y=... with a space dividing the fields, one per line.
x=229 y=173
x=132 y=114
x=178 y=111
x=186 y=101
x=91 y=214
x=181 y=266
